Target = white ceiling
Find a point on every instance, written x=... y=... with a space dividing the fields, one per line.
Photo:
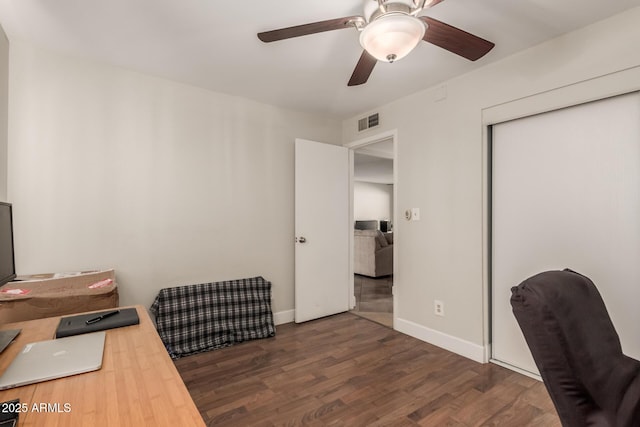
x=213 y=44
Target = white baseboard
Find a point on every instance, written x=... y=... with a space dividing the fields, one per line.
x=459 y=346
x=281 y=317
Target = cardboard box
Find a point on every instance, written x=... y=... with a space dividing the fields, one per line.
x=46 y=295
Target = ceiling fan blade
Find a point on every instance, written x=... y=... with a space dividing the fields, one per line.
x=313 y=28
x=363 y=69
x=455 y=40
x=433 y=3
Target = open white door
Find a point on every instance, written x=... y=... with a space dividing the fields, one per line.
x=321 y=230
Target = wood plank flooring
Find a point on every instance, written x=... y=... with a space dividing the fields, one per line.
x=345 y=370
x=374 y=298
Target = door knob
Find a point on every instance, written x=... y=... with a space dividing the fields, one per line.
x=302 y=240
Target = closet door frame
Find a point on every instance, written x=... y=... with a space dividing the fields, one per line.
x=594 y=89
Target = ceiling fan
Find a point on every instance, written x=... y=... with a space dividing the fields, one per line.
x=389 y=30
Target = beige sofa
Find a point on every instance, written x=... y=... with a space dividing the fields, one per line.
x=373 y=253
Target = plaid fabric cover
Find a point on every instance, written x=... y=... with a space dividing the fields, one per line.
x=196 y=318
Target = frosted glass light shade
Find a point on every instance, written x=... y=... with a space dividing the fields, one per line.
x=391 y=37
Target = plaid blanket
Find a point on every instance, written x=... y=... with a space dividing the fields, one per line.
x=196 y=318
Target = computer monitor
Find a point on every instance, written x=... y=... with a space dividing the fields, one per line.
x=7 y=257
x=366 y=225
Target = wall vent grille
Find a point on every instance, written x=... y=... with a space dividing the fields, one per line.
x=368 y=122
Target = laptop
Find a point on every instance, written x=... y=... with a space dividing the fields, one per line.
x=7 y=337
x=48 y=360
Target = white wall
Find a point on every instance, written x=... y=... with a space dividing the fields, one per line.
x=442 y=169
x=4 y=103
x=372 y=201
x=167 y=183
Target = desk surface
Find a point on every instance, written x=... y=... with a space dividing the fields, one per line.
x=138 y=384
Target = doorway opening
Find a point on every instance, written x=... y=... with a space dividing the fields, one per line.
x=373 y=239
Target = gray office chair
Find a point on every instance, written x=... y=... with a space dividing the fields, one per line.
x=577 y=350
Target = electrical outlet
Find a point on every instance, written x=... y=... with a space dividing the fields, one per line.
x=438 y=308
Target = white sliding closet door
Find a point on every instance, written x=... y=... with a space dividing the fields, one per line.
x=566 y=193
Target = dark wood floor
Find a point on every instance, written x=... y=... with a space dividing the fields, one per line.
x=345 y=370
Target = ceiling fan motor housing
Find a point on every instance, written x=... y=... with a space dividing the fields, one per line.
x=372 y=8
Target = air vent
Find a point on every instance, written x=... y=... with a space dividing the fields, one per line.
x=368 y=122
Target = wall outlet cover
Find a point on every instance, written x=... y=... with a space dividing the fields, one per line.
x=438 y=308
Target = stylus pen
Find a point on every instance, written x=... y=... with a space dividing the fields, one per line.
x=104 y=316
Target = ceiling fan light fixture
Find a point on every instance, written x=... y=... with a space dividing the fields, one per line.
x=392 y=36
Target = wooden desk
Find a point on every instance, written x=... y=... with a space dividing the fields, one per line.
x=138 y=384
